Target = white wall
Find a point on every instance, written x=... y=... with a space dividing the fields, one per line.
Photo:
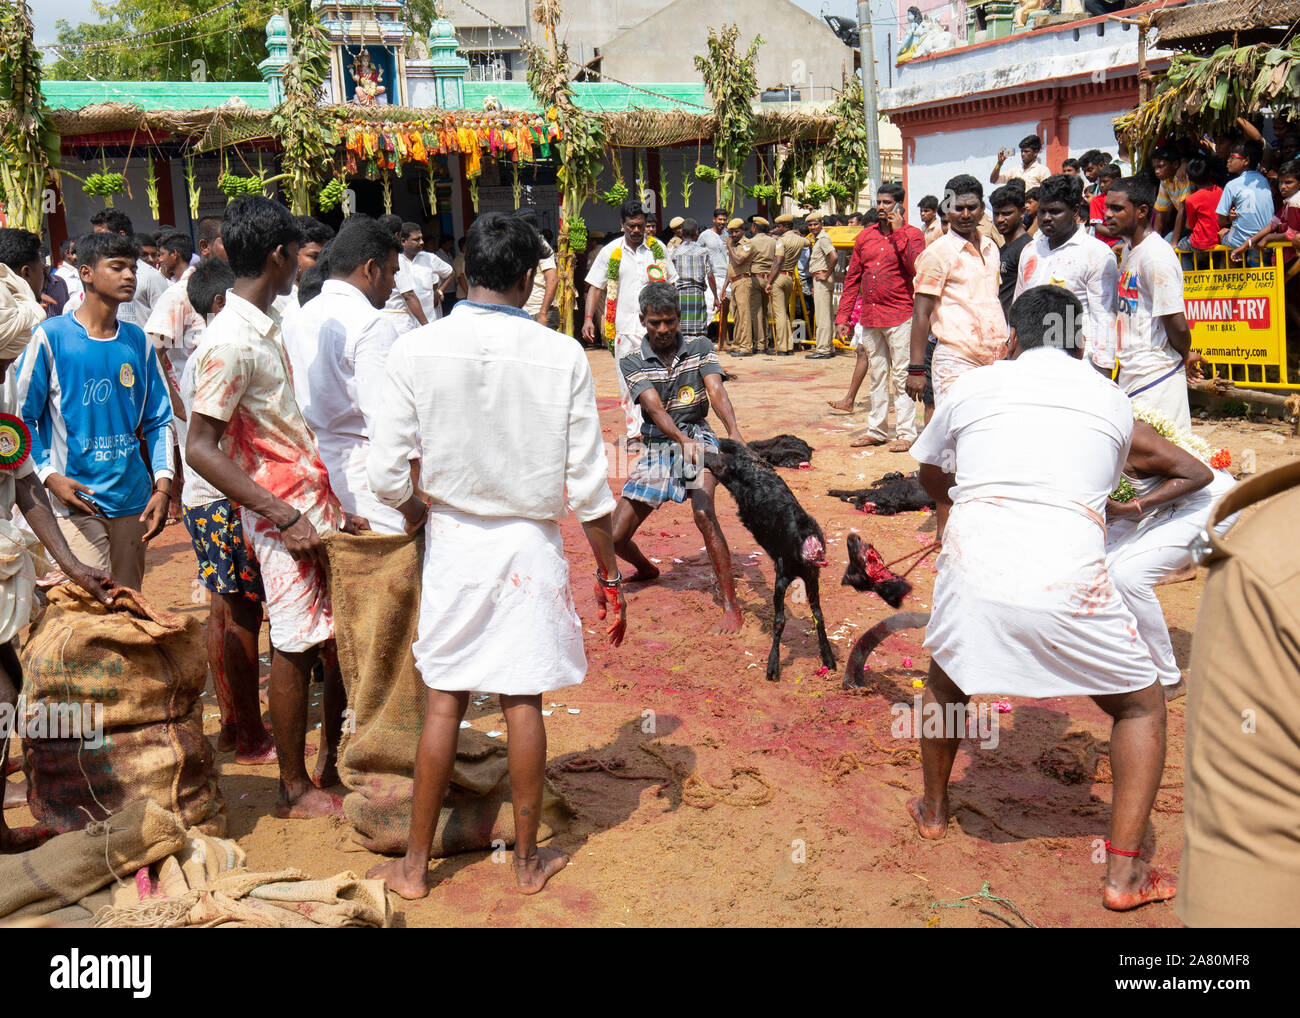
x=940 y=157
x=1094 y=130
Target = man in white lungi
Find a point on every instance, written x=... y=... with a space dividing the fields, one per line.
x=1023 y=605
x=1155 y=342
x=636 y=260
x=1149 y=538
x=502 y=411
x=338 y=346
x=20 y=313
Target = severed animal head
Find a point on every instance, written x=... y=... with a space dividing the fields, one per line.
x=867 y=572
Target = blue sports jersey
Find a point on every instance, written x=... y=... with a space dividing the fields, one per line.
x=88 y=403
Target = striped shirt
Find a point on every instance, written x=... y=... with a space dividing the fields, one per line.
x=680 y=384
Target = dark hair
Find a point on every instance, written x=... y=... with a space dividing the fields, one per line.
x=252 y=229
x=1167 y=154
x=1031 y=141
x=1062 y=188
x=658 y=297
x=1048 y=316
x=311 y=281
x=209 y=229
x=1006 y=195
x=500 y=249
x=19 y=248
x=314 y=231
x=144 y=240
x=1140 y=190
x=177 y=243
x=895 y=191
x=630 y=209
x=210 y=278
x=95 y=247
x=391 y=223
x=68 y=245
x=1072 y=164
x=719 y=212
x=1252 y=150
x=1032 y=194
x=1290 y=168
x=1091 y=158
x=1198 y=171
x=689 y=228
x=961 y=184
x=1110 y=171
x=410 y=228
x=359 y=240
x=928 y=202
x=115 y=220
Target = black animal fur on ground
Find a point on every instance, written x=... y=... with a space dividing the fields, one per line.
x=893 y=493
x=791 y=538
x=783 y=450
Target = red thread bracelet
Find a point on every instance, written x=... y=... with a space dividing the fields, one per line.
x=1120 y=851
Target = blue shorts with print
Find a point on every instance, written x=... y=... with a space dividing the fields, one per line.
x=226 y=563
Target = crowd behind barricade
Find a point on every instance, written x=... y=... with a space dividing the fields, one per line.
x=270 y=382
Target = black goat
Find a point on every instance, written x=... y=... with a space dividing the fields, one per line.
x=791 y=537
x=893 y=493
x=783 y=450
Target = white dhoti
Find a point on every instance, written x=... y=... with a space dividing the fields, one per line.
x=946 y=367
x=1164 y=391
x=624 y=344
x=496 y=615
x=1142 y=552
x=1024 y=606
x=17 y=579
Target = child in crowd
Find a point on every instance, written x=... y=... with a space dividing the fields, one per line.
x=1285 y=226
x=1198 y=227
x=1106 y=175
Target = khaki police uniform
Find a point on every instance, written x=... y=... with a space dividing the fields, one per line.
x=823 y=313
x=740 y=259
x=764 y=246
x=788 y=248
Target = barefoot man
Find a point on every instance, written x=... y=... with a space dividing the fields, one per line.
x=502 y=413
x=1023 y=604
x=273 y=470
x=675 y=379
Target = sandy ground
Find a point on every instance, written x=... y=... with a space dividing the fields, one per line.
x=833 y=845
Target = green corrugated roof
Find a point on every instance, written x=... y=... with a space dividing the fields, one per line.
x=597 y=96
x=155 y=95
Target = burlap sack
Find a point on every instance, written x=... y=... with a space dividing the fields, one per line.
x=67 y=868
x=375 y=591
x=147 y=668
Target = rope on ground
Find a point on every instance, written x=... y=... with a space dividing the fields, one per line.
x=836 y=770
x=976 y=901
x=698 y=792
x=585 y=764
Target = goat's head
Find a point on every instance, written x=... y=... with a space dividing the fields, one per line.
x=867 y=572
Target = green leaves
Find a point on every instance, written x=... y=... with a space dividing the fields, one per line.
x=732 y=81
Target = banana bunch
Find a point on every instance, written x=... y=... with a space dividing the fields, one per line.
x=615 y=196
x=104 y=185
x=577 y=235
x=330 y=195
x=239 y=187
x=708 y=173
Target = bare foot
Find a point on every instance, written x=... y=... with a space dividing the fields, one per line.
x=931 y=825
x=259 y=752
x=1142 y=886
x=227 y=738
x=646 y=575
x=1178 y=689
x=841 y=405
x=862 y=443
x=308 y=805
x=731 y=622
x=24 y=839
x=406 y=885
x=15 y=793
x=901 y=445
x=532 y=873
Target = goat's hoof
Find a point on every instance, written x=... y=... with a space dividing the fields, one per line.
x=853 y=682
x=773 y=676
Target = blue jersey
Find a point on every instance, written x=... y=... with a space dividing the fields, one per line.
x=89 y=403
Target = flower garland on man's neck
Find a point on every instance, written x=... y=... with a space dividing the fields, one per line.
x=657 y=273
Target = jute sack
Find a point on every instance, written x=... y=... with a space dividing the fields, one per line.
x=375 y=591
x=145 y=669
x=67 y=868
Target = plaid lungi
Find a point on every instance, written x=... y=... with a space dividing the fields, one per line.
x=691 y=304
x=660 y=474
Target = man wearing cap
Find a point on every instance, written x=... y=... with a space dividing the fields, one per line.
x=779 y=284
x=675 y=226
x=740 y=257
x=821 y=265
x=764 y=245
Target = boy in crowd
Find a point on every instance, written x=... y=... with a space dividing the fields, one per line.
x=1246 y=205
x=274 y=472
x=67 y=271
x=931 y=227
x=1285 y=226
x=1106 y=175
x=1008 y=203
x=674 y=379
x=175 y=249
x=148 y=243
x=1198 y=229
x=91 y=390
x=1167 y=164
x=227 y=567
x=149 y=282
x=1030 y=170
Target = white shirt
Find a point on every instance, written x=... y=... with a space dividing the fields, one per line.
x=337 y=345
x=503 y=413
x=1086 y=267
x=396 y=304
x=150 y=284
x=1033 y=174
x=631 y=278
x=426 y=272
x=174 y=327
x=534 y=303
x=1150 y=285
x=76 y=292
x=196 y=491
x=717 y=248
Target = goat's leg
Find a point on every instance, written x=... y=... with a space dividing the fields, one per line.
x=778 y=625
x=813 y=588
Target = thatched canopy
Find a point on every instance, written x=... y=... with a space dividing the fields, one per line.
x=1204 y=27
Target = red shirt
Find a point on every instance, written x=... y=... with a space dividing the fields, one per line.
x=1097 y=217
x=1202 y=219
x=882 y=267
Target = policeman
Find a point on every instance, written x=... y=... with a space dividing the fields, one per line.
x=779 y=284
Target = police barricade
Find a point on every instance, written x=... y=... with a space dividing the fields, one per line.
x=1237 y=314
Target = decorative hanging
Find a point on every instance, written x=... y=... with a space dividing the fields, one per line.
x=191 y=186
x=516 y=186
x=151 y=190
x=433 y=192
x=388 y=193
x=104 y=184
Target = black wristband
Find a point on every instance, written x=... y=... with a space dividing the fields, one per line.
x=916 y=369
x=296 y=517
